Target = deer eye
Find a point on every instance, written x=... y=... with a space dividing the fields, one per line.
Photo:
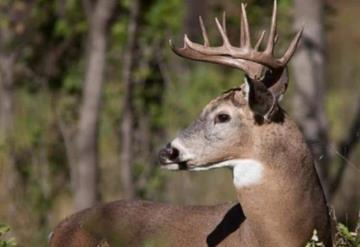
x=222 y=118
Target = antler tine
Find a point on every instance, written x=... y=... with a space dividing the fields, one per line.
x=226 y=41
x=276 y=38
x=270 y=45
x=224 y=22
x=245 y=30
x=242 y=30
x=204 y=32
x=187 y=41
x=292 y=47
x=258 y=43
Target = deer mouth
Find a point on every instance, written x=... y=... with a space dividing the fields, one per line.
x=175 y=166
x=209 y=165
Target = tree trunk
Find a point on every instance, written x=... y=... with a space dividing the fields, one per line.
x=309 y=64
x=7 y=63
x=87 y=191
x=10 y=180
x=127 y=123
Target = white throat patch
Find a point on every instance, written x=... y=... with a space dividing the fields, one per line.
x=246 y=172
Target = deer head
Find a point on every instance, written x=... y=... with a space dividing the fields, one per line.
x=229 y=127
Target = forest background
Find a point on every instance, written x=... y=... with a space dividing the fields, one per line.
x=90 y=91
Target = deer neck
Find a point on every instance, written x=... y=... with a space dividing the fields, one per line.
x=286 y=202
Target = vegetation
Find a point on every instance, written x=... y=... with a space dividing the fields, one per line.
x=347 y=238
x=343 y=237
x=10 y=242
x=45 y=53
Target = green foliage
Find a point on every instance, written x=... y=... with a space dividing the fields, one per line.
x=72 y=80
x=285 y=4
x=10 y=242
x=118 y=31
x=343 y=237
x=74 y=21
x=162 y=16
x=346 y=238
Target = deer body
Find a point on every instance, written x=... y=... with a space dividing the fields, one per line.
x=280 y=198
x=281 y=209
x=135 y=223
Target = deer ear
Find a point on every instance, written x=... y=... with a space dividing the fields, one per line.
x=276 y=82
x=261 y=101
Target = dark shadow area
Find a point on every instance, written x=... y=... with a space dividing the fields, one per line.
x=230 y=223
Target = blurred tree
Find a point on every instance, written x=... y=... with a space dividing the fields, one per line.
x=309 y=65
x=8 y=57
x=127 y=122
x=7 y=64
x=143 y=75
x=14 y=33
x=12 y=28
x=86 y=186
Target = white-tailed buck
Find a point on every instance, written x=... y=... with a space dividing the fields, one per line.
x=280 y=197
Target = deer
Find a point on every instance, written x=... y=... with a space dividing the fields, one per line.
x=280 y=198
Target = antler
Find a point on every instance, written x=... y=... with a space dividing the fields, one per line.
x=244 y=57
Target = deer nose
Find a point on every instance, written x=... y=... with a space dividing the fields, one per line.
x=168 y=153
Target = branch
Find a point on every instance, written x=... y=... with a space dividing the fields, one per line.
x=68 y=132
x=346 y=147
